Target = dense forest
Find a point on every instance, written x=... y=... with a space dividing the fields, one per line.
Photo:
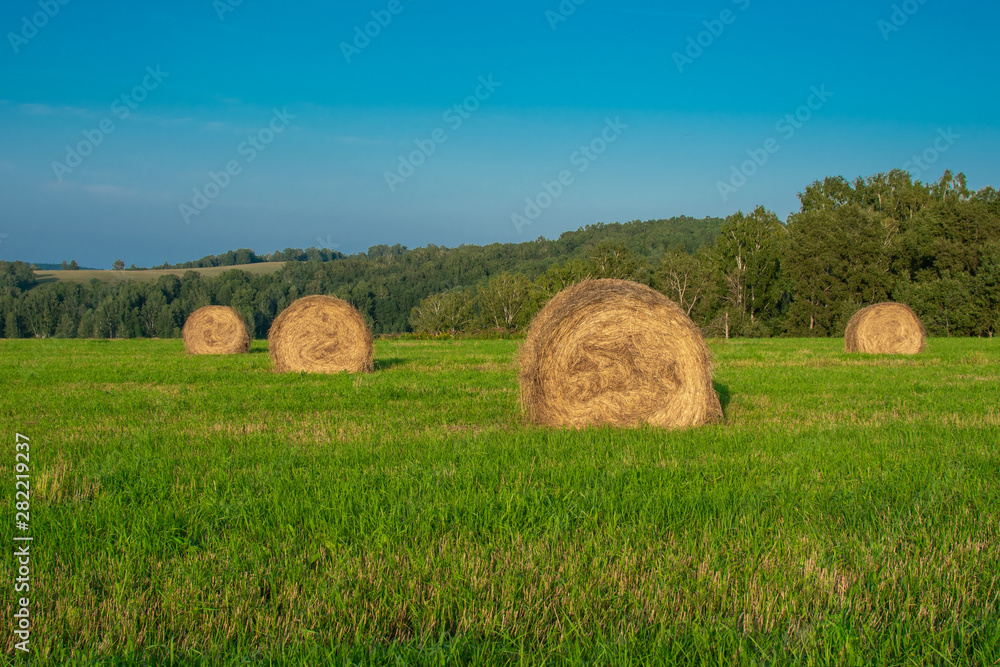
x=934 y=246
x=386 y=283
x=245 y=256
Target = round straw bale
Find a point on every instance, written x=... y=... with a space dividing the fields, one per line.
x=616 y=352
x=216 y=330
x=320 y=334
x=885 y=328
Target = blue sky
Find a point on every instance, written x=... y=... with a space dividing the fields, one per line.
x=593 y=95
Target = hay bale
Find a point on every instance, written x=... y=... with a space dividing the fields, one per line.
x=216 y=330
x=885 y=328
x=320 y=334
x=616 y=352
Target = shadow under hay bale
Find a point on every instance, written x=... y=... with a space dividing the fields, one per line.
x=216 y=330
x=619 y=353
x=320 y=334
x=885 y=328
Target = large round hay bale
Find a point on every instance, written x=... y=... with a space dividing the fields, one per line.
x=216 y=330
x=885 y=328
x=616 y=352
x=320 y=334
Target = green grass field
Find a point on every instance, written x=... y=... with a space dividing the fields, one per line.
x=148 y=275
x=196 y=510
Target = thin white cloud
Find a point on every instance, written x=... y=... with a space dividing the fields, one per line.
x=33 y=109
x=227 y=127
x=117 y=192
x=658 y=12
x=365 y=141
x=59 y=186
x=38 y=109
x=164 y=121
x=111 y=191
x=137 y=117
x=106 y=191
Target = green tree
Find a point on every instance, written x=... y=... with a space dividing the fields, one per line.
x=447 y=311
x=987 y=291
x=507 y=301
x=746 y=255
x=684 y=278
x=11 y=324
x=67 y=327
x=561 y=276
x=944 y=305
x=837 y=260
x=149 y=316
x=830 y=193
x=16 y=277
x=40 y=312
x=611 y=259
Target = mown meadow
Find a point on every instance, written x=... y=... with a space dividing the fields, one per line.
x=204 y=510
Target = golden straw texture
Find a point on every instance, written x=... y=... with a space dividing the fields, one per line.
x=320 y=334
x=216 y=330
x=885 y=328
x=616 y=352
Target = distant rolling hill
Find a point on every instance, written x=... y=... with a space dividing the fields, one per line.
x=55 y=267
x=149 y=275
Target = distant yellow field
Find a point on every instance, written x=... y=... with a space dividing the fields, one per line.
x=84 y=277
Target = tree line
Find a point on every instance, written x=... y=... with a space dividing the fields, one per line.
x=934 y=246
x=385 y=283
x=244 y=256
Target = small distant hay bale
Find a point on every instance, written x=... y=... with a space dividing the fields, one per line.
x=885 y=328
x=320 y=334
x=216 y=330
x=618 y=353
